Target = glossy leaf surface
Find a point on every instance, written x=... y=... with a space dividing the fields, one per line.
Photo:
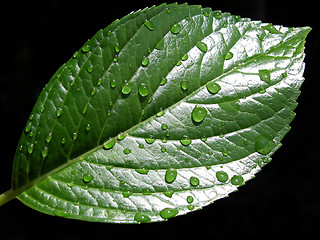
x=161 y=113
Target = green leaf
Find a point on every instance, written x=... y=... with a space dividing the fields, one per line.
x=163 y=112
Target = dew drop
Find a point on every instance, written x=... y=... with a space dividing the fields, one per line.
x=217 y=14
x=237 y=180
x=70 y=184
x=44 y=152
x=88 y=127
x=121 y=136
x=48 y=137
x=28 y=127
x=149 y=140
x=171 y=175
x=85 y=109
x=184 y=57
x=108 y=145
x=164 y=126
x=185 y=141
x=160 y=114
x=141 y=218
x=202 y=46
x=85 y=48
x=222 y=176
x=198 y=114
x=149 y=25
x=30 y=148
x=194 y=181
x=74 y=136
x=163 y=149
x=87 y=178
x=168 y=193
x=145 y=61
x=90 y=69
x=59 y=112
x=117 y=48
x=190 y=199
x=126 y=88
x=113 y=83
x=184 y=85
x=126 y=151
x=264 y=75
x=142 y=170
x=168 y=213
x=127 y=194
x=94 y=91
x=143 y=90
x=163 y=81
x=63 y=141
x=228 y=56
x=175 y=29
x=99 y=82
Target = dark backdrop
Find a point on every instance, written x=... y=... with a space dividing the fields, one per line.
x=37 y=37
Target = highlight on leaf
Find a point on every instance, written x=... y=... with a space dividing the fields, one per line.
x=159 y=114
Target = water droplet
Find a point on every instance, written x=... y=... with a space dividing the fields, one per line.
x=31 y=117
x=264 y=75
x=190 y=207
x=160 y=114
x=113 y=83
x=20 y=148
x=44 y=152
x=126 y=88
x=30 y=148
x=108 y=145
x=87 y=178
x=94 y=91
x=149 y=140
x=127 y=194
x=99 y=82
x=141 y=218
x=225 y=152
x=163 y=149
x=48 y=137
x=149 y=25
x=141 y=146
x=126 y=151
x=63 y=141
x=88 y=127
x=184 y=57
x=117 y=48
x=184 y=85
x=237 y=180
x=70 y=184
x=228 y=56
x=28 y=127
x=185 y=141
x=59 y=112
x=168 y=193
x=194 y=181
x=203 y=139
x=142 y=170
x=145 y=61
x=90 y=69
x=85 y=48
x=202 y=46
x=115 y=58
x=190 y=199
x=213 y=87
x=171 y=175
x=74 y=136
x=263 y=145
x=175 y=29
x=168 y=213
x=222 y=176
x=217 y=14
x=143 y=90
x=198 y=114
x=121 y=136
x=163 y=81
x=164 y=126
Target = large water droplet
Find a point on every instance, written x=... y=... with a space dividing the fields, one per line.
x=222 y=176
x=185 y=141
x=141 y=218
x=237 y=180
x=143 y=90
x=175 y=29
x=198 y=114
x=168 y=213
x=202 y=46
x=194 y=181
x=213 y=87
x=87 y=178
x=126 y=88
x=171 y=175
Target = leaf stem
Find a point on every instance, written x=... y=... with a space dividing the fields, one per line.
x=7 y=196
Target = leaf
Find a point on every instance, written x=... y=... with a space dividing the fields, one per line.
x=163 y=112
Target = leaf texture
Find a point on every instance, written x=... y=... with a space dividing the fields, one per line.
x=163 y=112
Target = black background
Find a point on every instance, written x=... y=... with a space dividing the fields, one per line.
x=37 y=37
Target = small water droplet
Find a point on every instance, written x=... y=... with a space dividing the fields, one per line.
x=225 y=152
x=184 y=85
x=108 y=145
x=70 y=184
x=168 y=213
x=94 y=91
x=127 y=194
x=237 y=180
x=149 y=140
x=126 y=88
x=142 y=170
x=117 y=48
x=163 y=81
x=149 y=25
x=160 y=114
x=190 y=199
x=74 y=136
x=184 y=57
x=194 y=181
x=87 y=178
x=168 y=193
x=88 y=127
x=164 y=126
x=28 y=127
x=126 y=151
x=85 y=48
x=121 y=136
x=264 y=75
x=113 y=83
x=141 y=218
x=115 y=58
x=90 y=69
x=30 y=148
x=48 y=137
x=44 y=152
x=59 y=112
x=217 y=14
x=145 y=61
x=213 y=87
x=143 y=90
x=175 y=29
x=198 y=114
x=163 y=149
x=171 y=175
x=185 y=141
x=63 y=141
x=222 y=176
x=202 y=46
x=99 y=82
x=228 y=56
x=141 y=146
